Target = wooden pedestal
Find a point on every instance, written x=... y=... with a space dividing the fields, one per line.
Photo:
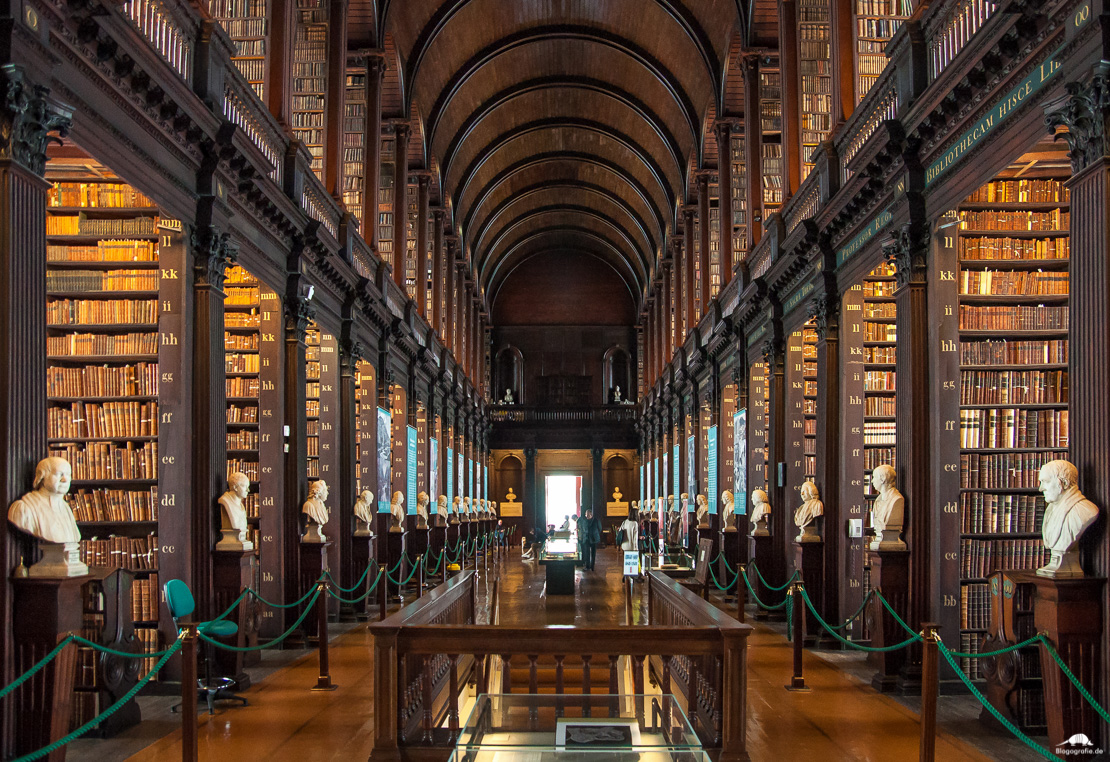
x=890 y=573
x=809 y=560
x=730 y=552
x=44 y=611
x=762 y=553
x=314 y=562
x=232 y=572
x=362 y=553
x=395 y=544
x=416 y=545
x=453 y=542
x=692 y=533
x=1069 y=612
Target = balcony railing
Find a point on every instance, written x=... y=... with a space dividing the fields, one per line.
x=537 y=414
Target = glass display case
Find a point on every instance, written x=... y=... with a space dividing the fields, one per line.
x=538 y=728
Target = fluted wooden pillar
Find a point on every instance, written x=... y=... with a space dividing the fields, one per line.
x=438 y=271
x=401 y=133
x=703 y=244
x=723 y=132
x=372 y=151
x=678 y=284
x=688 y=216
x=753 y=148
x=791 y=102
x=336 y=97
x=423 y=183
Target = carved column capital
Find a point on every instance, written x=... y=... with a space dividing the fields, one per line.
x=26 y=120
x=1085 y=111
x=907 y=251
x=823 y=312
x=299 y=311
x=213 y=253
x=351 y=353
x=772 y=350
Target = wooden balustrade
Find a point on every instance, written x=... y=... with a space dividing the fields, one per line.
x=426 y=652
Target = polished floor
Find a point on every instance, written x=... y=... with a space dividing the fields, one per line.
x=839 y=718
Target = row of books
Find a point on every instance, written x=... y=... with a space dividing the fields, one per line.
x=145 y=595
x=93 y=312
x=242 y=387
x=1021 y=317
x=883 y=7
x=309 y=103
x=879 y=433
x=312 y=390
x=148 y=643
x=134 y=553
x=237 y=363
x=1007 y=283
x=1006 y=352
x=984 y=512
x=118 y=250
x=1054 y=219
x=1020 y=191
x=108 y=419
x=880 y=332
x=1014 y=387
x=975 y=606
x=879 y=380
x=248 y=467
x=809 y=407
x=873 y=457
x=102 y=280
x=312 y=408
x=241 y=342
x=103 y=380
x=880 y=310
x=880 y=354
x=110 y=195
x=304 y=119
x=242 y=320
x=108 y=460
x=878 y=289
x=244 y=27
x=978 y=558
x=71 y=224
x=241 y=296
x=242 y=414
x=313 y=446
x=310 y=136
x=1006 y=248
x=1015 y=470
x=102 y=345
x=1010 y=428
x=244 y=439
x=115 y=504
x=250 y=48
x=237 y=8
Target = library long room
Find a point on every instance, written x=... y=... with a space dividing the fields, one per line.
x=443 y=380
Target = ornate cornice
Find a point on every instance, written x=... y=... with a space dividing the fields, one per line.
x=908 y=251
x=1084 y=111
x=26 y=120
x=213 y=253
x=823 y=310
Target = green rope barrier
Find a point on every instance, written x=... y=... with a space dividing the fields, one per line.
x=997 y=715
x=860 y=610
x=370 y=565
x=434 y=571
x=46 y=750
x=770 y=586
x=790 y=614
x=295 y=603
x=1083 y=691
x=893 y=613
x=114 y=652
x=275 y=641
x=406 y=581
x=853 y=644
x=39 y=665
x=761 y=604
x=999 y=652
x=361 y=598
x=717 y=584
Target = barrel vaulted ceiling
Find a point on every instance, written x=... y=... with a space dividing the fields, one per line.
x=559 y=125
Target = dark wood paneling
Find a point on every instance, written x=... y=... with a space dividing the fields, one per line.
x=564 y=289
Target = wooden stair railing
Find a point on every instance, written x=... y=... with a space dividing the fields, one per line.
x=425 y=653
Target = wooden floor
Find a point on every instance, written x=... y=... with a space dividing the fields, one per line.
x=840 y=718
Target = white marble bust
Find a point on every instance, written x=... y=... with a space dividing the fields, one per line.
x=761 y=513
x=703 y=512
x=728 y=513
x=805 y=517
x=45 y=514
x=364 y=514
x=617 y=395
x=492 y=508
x=466 y=509
x=233 y=514
x=316 y=512
x=674 y=521
x=888 y=510
x=397 y=512
x=508 y=398
x=1068 y=514
x=454 y=517
x=422 y=500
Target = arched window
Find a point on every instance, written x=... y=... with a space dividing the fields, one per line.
x=509 y=374
x=617 y=372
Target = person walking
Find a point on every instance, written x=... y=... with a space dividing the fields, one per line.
x=630 y=539
x=589 y=535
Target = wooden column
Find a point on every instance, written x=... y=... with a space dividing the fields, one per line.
x=753 y=148
x=691 y=280
x=843 y=54
x=350 y=354
x=909 y=251
x=668 y=312
x=1084 y=112
x=438 y=270
x=401 y=132
x=645 y=332
x=660 y=326
x=774 y=355
x=703 y=244
x=423 y=183
x=678 y=286
x=460 y=300
x=372 y=151
x=298 y=312
x=826 y=315
x=450 y=307
x=791 y=102
x=723 y=132
x=279 y=64
x=336 y=97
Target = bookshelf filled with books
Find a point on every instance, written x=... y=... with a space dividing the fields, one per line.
x=115 y=296
x=739 y=199
x=385 y=201
x=809 y=399
x=714 y=238
x=815 y=68
x=312 y=399
x=354 y=144
x=770 y=124
x=800 y=412
x=880 y=336
x=247 y=24
x=310 y=76
x=876 y=23
x=412 y=209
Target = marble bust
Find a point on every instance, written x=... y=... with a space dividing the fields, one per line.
x=45 y=514
x=466 y=509
x=617 y=396
x=316 y=512
x=493 y=509
x=888 y=510
x=364 y=514
x=397 y=512
x=674 y=522
x=422 y=500
x=1068 y=514
x=508 y=398
x=454 y=516
x=233 y=514
x=805 y=517
x=703 y=512
x=728 y=513
x=761 y=512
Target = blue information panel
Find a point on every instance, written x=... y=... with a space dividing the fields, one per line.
x=711 y=477
x=433 y=476
x=450 y=495
x=677 y=468
x=410 y=499
x=462 y=481
x=740 y=460
x=642 y=493
x=385 y=457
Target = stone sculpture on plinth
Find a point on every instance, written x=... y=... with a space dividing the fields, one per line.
x=233 y=514
x=888 y=510
x=45 y=514
x=422 y=500
x=397 y=513
x=805 y=517
x=1068 y=514
x=364 y=514
x=728 y=513
x=761 y=513
x=703 y=512
x=316 y=513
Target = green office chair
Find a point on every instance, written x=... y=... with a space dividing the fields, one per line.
x=179 y=600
